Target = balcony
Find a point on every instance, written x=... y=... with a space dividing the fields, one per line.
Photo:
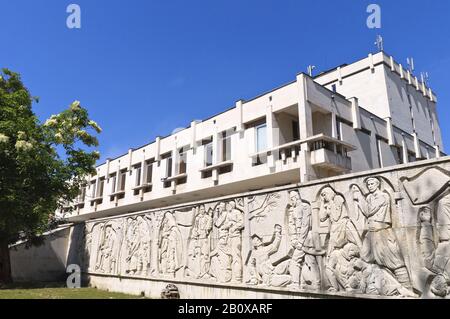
x=330 y=153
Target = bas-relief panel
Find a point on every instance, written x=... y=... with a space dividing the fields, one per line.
x=346 y=237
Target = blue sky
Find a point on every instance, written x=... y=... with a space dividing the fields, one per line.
x=146 y=67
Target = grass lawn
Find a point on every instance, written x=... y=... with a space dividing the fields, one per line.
x=57 y=291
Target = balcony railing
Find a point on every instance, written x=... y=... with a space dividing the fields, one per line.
x=330 y=153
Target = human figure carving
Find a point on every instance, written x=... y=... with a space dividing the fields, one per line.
x=232 y=219
x=261 y=269
x=303 y=266
x=380 y=244
x=436 y=256
x=200 y=244
x=170 y=247
x=221 y=258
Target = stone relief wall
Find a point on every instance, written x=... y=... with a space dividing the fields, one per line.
x=381 y=235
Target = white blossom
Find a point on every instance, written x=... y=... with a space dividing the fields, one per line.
x=4 y=138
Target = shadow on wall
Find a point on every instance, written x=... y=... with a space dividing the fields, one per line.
x=46 y=263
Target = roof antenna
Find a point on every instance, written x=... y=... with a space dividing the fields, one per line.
x=310 y=69
x=410 y=62
x=379 y=42
x=425 y=77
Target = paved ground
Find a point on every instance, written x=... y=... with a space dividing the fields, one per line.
x=57 y=291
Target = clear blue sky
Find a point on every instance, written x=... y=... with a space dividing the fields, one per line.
x=146 y=67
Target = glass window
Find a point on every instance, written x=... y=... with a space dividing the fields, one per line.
x=123 y=178
x=113 y=183
x=93 y=188
x=138 y=172
x=149 y=172
x=209 y=154
x=182 y=161
x=226 y=147
x=261 y=138
x=169 y=166
x=101 y=185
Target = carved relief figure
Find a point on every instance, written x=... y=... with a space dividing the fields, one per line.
x=137 y=245
x=342 y=230
x=107 y=252
x=261 y=269
x=380 y=244
x=436 y=256
x=200 y=245
x=170 y=246
x=303 y=266
x=342 y=268
x=232 y=219
x=222 y=258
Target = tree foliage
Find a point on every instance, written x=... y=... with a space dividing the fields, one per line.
x=42 y=165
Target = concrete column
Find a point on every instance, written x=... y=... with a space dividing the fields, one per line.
x=392 y=63
x=405 y=150
x=356 y=116
x=339 y=75
x=240 y=116
x=108 y=162
x=371 y=64
x=417 y=145
x=402 y=74
x=272 y=133
x=158 y=149
x=306 y=128
x=390 y=131
x=130 y=159
x=438 y=151
x=416 y=80
x=216 y=153
x=193 y=134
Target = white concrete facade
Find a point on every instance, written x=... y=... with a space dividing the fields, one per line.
x=367 y=115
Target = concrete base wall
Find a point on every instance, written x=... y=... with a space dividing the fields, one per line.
x=46 y=263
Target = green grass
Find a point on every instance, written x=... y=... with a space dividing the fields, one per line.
x=57 y=291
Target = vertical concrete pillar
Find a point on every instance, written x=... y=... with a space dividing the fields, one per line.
x=390 y=131
x=356 y=116
x=417 y=145
x=158 y=148
x=240 y=116
x=438 y=151
x=272 y=132
x=405 y=150
x=306 y=128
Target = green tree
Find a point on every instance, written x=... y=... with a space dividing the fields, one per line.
x=42 y=165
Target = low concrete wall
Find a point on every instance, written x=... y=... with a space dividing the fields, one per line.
x=46 y=263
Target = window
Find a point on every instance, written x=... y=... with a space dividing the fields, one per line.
x=138 y=173
x=338 y=130
x=295 y=131
x=101 y=185
x=261 y=137
x=113 y=178
x=93 y=186
x=208 y=146
x=82 y=194
x=399 y=153
x=123 y=179
x=182 y=160
x=226 y=146
x=149 y=172
x=379 y=153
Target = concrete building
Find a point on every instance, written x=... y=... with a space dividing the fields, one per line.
x=366 y=115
